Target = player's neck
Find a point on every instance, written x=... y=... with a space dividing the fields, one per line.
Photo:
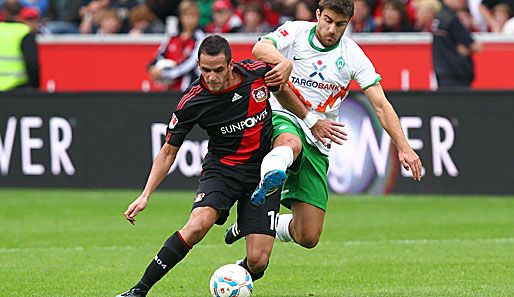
x=234 y=78
x=316 y=41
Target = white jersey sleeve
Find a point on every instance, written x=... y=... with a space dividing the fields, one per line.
x=283 y=37
x=361 y=68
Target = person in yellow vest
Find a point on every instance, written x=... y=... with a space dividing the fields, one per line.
x=19 y=64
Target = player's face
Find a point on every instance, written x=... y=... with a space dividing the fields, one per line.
x=331 y=26
x=215 y=70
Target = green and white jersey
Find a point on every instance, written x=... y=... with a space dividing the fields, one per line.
x=320 y=76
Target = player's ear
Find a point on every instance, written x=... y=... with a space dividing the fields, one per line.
x=198 y=62
x=231 y=65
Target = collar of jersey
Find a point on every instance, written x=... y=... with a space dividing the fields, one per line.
x=325 y=49
x=226 y=90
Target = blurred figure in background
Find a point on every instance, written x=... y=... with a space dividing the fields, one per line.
x=394 y=17
x=163 y=8
x=270 y=16
x=486 y=9
x=426 y=10
x=508 y=28
x=63 y=17
x=143 y=20
x=175 y=64
x=19 y=64
x=205 y=7
x=305 y=11
x=362 y=20
x=253 y=19
x=30 y=17
x=110 y=22
x=41 y=6
x=466 y=19
x=91 y=15
x=478 y=19
x=452 y=48
x=224 y=18
x=501 y=14
x=286 y=8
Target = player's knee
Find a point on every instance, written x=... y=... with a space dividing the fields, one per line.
x=195 y=230
x=308 y=240
x=295 y=144
x=257 y=262
x=290 y=140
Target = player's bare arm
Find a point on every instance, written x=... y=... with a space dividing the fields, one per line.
x=322 y=129
x=266 y=51
x=160 y=168
x=389 y=120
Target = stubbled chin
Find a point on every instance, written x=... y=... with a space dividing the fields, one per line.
x=330 y=42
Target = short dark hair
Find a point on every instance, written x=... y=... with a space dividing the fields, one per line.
x=344 y=7
x=213 y=45
x=12 y=8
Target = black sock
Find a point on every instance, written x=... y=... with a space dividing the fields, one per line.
x=173 y=251
x=255 y=276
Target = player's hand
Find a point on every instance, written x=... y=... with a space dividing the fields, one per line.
x=410 y=159
x=155 y=73
x=138 y=205
x=279 y=74
x=324 y=129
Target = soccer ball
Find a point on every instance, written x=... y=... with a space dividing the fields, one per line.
x=231 y=280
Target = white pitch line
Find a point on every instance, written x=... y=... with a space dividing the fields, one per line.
x=428 y=241
x=346 y=243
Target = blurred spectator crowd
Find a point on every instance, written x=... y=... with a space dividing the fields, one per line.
x=137 y=17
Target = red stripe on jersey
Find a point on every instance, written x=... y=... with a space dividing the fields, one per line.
x=193 y=92
x=251 y=137
x=252 y=67
x=168 y=136
x=250 y=143
x=256 y=64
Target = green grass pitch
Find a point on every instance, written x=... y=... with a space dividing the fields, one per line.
x=77 y=243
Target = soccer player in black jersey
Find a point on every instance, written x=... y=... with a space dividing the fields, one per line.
x=229 y=101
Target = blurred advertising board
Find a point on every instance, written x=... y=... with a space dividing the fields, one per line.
x=108 y=140
x=77 y=63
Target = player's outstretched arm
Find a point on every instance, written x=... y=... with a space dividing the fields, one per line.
x=389 y=120
x=266 y=51
x=160 y=168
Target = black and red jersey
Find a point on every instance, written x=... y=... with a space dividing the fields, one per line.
x=237 y=120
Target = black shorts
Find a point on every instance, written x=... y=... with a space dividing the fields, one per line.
x=221 y=192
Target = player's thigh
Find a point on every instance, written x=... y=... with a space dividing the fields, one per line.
x=217 y=192
x=307 y=219
x=200 y=222
x=308 y=182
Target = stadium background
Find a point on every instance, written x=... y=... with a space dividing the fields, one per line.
x=458 y=134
